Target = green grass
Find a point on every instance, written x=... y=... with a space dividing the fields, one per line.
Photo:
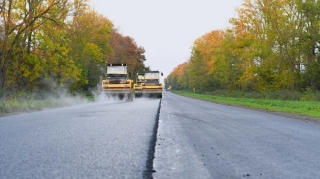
x=16 y=106
x=305 y=108
x=25 y=103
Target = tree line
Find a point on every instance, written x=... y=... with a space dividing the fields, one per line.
x=59 y=43
x=271 y=45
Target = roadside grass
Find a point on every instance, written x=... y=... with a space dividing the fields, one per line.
x=15 y=105
x=11 y=103
x=306 y=108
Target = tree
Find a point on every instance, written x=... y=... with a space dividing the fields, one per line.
x=309 y=44
x=178 y=79
x=125 y=50
x=89 y=33
x=20 y=20
x=203 y=61
x=272 y=28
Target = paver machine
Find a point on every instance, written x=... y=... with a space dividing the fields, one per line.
x=117 y=82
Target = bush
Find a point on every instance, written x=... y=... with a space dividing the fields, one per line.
x=3 y=106
x=308 y=95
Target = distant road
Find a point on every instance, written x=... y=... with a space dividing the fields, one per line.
x=100 y=140
x=199 y=139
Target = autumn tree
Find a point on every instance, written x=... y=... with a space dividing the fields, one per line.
x=89 y=34
x=272 y=45
x=20 y=21
x=125 y=50
x=204 y=60
x=178 y=78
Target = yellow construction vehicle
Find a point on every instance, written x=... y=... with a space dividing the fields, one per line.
x=117 y=82
x=151 y=86
x=138 y=85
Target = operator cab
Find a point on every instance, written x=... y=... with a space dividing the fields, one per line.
x=116 y=73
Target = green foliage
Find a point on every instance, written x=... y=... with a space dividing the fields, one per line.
x=20 y=55
x=59 y=44
x=271 y=46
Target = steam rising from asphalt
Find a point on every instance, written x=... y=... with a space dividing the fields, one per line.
x=65 y=98
x=60 y=96
x=100 y=96
x=50 y=96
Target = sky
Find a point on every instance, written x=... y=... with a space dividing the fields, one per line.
x=167 y=28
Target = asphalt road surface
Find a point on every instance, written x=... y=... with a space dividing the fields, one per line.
x=199 y=139
x=100 y=140
x=189 y=138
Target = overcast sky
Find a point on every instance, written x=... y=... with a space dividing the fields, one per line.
x=167 y=28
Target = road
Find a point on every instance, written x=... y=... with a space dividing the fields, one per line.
x=100 y=140
x=189 y=138
x=199 y=139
